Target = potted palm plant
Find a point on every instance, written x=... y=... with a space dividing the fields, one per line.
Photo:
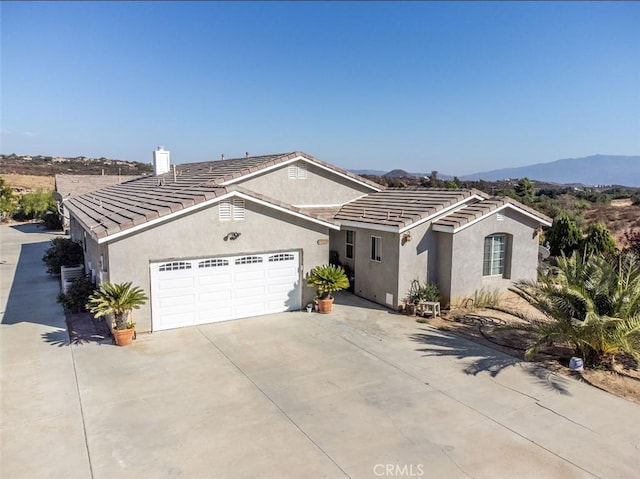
x=327 y=279
x=118 y=301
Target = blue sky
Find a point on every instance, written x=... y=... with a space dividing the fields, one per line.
x=456 y=87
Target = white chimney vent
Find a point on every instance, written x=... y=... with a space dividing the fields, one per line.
x=161 y=161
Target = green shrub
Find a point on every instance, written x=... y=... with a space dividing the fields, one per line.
x=52 y=221
x=77 y=295
x=63 y=252
x=327 y=279
x=422 y=292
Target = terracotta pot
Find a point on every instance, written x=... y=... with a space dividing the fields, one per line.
x=410 y=309
x=123 y=336
x=325 y=305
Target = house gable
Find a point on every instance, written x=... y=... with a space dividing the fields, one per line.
x=131 y=205
x=202 y=234
x=306 y=184
x=116 y=232
x=468 y=215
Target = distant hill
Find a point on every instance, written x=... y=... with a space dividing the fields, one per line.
x=49 y=166
x=590 y=170
x=369 y=172
x=397 y=174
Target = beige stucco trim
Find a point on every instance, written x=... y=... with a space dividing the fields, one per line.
x=206 y=204
x=293 y=160
x=450 y=229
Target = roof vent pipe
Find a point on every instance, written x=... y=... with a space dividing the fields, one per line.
x=161 y=161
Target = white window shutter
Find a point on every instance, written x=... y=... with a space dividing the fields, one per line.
x=302 y=171
x=225 y=210
x=238 y=209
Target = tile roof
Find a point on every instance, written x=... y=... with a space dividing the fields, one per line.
x=117 y=208
x=401 y=207
x=68 y=186
x=469 y=213
x=223 y=171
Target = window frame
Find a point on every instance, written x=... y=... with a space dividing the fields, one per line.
x=376 y=249
x=349 y=246
x=489 y=259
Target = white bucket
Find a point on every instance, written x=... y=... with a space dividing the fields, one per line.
x=576 y=364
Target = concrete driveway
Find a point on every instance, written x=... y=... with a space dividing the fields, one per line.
x=361 y=393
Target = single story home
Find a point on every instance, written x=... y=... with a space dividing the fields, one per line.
x=236 y=238
x=216 y=240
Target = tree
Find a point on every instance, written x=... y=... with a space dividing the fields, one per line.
x=62 y=252
x=8 y=201
x=37 y=204
x=564 y=236
x=599 y=240
x=591 y=304
x=524 y=190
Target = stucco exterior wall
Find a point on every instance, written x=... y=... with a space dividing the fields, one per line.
x=201 y=234
x=468 y=251
x=373 y=280
x=417 y=258
x=321 y=187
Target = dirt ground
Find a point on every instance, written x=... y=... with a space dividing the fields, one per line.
x=26 y=183
x=618 y=217
x=480 y=326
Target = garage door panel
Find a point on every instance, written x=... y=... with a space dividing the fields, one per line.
x=283 y=273
x=169 y=284
x=190 y=292
x=249 y=276
x=215 y=280
x=253 y=295
x=216 y=296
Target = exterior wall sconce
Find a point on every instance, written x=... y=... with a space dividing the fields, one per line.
x=406 y=237
x=232 y=236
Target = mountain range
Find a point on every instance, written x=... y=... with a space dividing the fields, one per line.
x=589 y=170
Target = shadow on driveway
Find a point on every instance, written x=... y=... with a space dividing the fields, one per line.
x=483 y=358
x=32 y=289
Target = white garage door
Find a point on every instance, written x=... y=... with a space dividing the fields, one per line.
x=206 y=290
